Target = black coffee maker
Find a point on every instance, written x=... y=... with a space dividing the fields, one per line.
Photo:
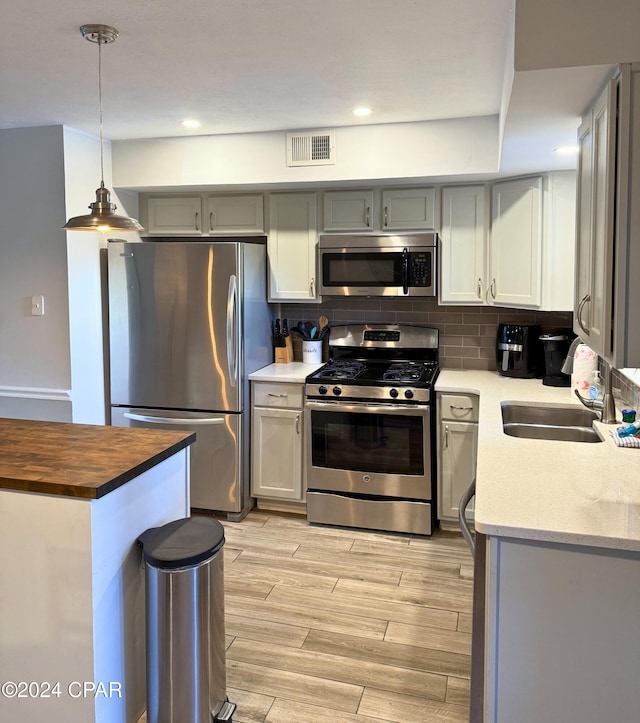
x=519 y=350
x=556 y=345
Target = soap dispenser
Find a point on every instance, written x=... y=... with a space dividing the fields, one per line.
x=596 y=389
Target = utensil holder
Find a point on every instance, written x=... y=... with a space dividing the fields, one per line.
x=284 y=354
x=312 y=352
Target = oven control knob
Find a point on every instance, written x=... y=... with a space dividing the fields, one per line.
x=393 y=393
x=408 y=394
x=322 y=389
x=337 y=391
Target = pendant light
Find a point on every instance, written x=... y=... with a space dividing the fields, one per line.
x=102 y=216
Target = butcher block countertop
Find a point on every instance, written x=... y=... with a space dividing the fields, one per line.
x=79 y=460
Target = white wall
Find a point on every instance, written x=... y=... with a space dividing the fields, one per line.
x=412 y=151
x=81 y=178
x=34 y=350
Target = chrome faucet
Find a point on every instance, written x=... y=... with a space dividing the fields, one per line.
x=567 y=364
x=607 y=406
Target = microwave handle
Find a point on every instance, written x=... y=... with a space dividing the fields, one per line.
x=405 y=271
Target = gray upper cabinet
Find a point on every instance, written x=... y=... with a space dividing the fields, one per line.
x=291 y=247
x=172 y=215
x=515 y=248
x=207 y=215
x=607 y=298
x=406 y=209
x=235 y=214
x=348 y=211
x=401 y=209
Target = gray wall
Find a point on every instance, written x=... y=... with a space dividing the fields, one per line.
x=34 y=350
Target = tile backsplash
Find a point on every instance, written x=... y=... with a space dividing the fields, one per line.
x=467 y=333
x=625 y=391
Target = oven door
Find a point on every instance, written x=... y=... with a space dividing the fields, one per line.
x=370 y=449
x=388 y=271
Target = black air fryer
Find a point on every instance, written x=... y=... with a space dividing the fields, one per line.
x=519 y=350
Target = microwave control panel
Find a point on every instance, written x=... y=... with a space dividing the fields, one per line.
x=419 y=268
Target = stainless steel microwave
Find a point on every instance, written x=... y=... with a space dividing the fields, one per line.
x=378 y=265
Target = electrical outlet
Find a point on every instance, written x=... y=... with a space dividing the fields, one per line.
x=37 y=306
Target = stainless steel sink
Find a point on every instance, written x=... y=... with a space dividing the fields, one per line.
x=567 y=424
x=554 y=416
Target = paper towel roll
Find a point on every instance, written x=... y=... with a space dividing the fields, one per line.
x=585 y=362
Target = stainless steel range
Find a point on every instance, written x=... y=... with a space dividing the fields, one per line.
x=370 y=429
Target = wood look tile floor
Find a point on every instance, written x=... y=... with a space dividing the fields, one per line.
x=333 y=624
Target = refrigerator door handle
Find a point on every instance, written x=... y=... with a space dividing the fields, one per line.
x=173 y=420
x=232 y=322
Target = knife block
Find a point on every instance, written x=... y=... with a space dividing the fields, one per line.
x=284 y=354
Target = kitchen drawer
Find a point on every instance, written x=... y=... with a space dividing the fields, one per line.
x=273 y=394
x=459 y=407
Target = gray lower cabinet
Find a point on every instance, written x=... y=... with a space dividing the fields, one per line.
x=562 y=633
x=457 y=451
x=276 y=441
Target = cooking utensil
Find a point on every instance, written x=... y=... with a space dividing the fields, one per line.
x=312 y=333
x=323 y=322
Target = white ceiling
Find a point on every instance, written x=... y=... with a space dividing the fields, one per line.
x=261 y=65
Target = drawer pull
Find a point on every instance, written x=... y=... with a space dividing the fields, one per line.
x=461 y=409
x=280 y=396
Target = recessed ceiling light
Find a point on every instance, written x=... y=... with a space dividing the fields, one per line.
x=362 y=111
x=189 y=123
x=566 y=150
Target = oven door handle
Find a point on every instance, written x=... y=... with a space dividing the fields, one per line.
x=412 y=409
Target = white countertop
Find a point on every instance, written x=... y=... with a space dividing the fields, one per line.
x=568 y=492
x=293 y=372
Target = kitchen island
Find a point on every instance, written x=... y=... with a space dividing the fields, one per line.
x=73 y=500
x=561 y=589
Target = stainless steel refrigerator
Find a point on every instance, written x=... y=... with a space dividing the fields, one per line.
x=188 y=321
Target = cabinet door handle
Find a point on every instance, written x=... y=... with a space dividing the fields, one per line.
x=367 y=217
x=446 y=436
x=479 y=289
x=297 y=424
x=583 y=301
x=211 y=221
x=280 y=396
x=197 y=221
x=312 y=286
x=386 y=216
x=492 y=288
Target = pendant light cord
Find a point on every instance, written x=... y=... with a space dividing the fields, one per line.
x=100 y=95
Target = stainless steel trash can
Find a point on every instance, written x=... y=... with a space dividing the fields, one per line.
x=186 y=676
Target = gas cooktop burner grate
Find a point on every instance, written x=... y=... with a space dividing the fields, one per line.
x=342 y=370
x=407 y=371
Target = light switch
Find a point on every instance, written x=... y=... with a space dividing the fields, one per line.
x=37 y=305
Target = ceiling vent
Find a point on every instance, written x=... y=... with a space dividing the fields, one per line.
x=311 y=148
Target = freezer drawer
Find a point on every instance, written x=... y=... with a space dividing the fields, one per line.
x=216 y=465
